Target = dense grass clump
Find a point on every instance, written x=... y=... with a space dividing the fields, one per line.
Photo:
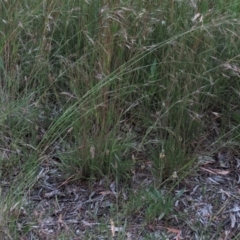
x=105 y=86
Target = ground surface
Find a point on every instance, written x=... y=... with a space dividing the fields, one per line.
x=59 y=208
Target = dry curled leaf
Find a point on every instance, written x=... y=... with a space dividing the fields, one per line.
x=216 y=171
x=112 y=227
x=176 y=231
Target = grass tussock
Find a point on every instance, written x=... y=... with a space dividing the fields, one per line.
x=106 y=87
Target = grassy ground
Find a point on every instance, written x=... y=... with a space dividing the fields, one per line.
x=104 y=91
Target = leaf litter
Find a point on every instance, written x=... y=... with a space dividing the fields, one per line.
x=208 y=207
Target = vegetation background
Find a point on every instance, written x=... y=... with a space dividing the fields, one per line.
x=104 y=89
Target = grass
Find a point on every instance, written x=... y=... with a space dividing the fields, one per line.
x=111 y=89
